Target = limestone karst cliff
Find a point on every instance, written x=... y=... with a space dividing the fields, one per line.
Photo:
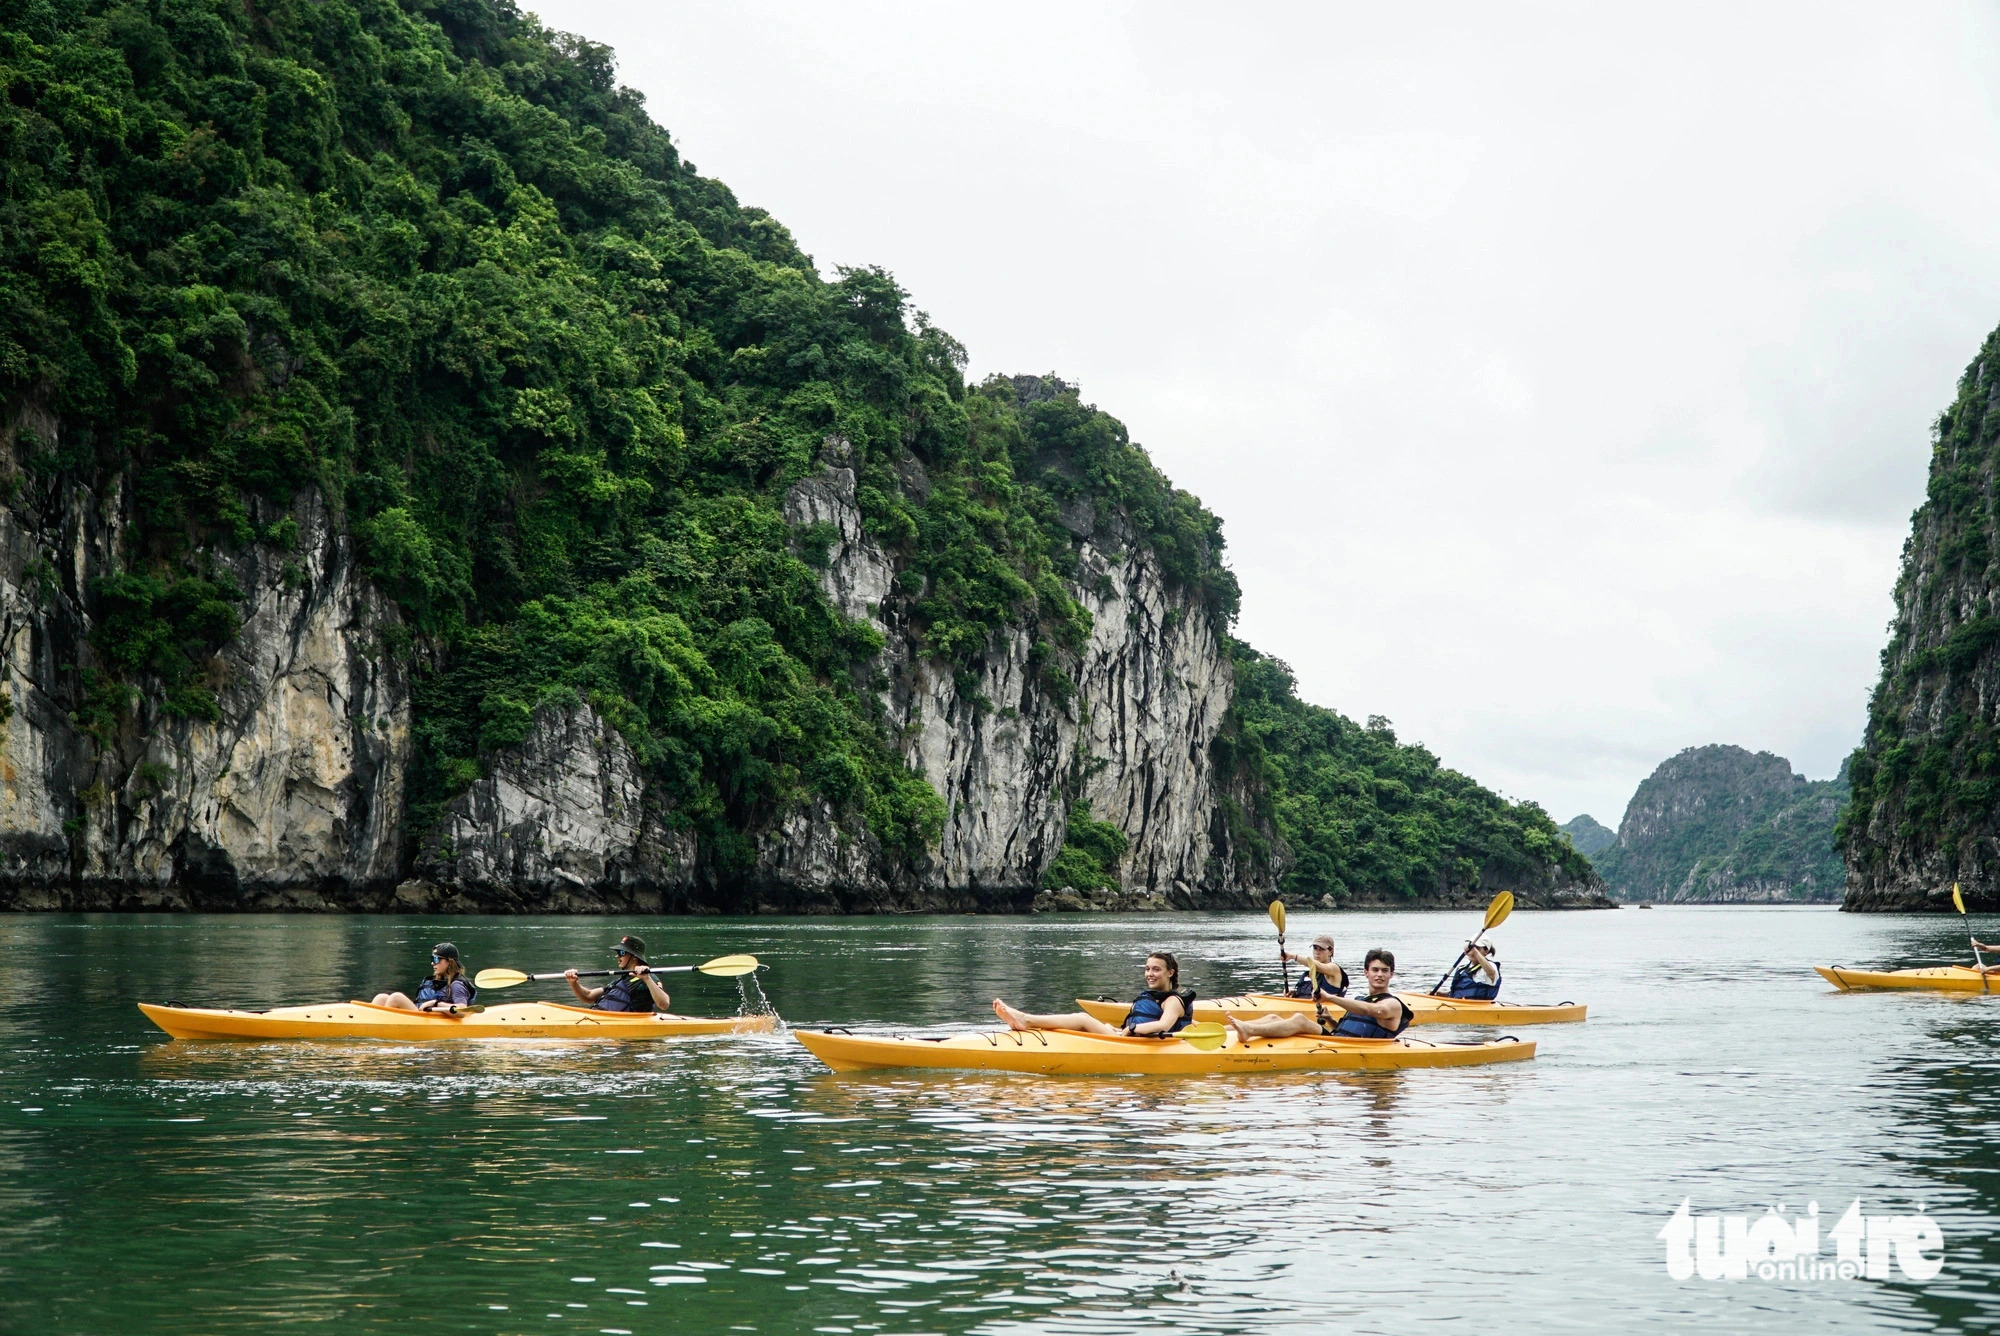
x=1722 y=825
x=423 y=488
x=1926 y=803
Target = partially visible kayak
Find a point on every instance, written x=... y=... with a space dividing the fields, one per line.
x=1425 y=1009
x=1073 y=1053
x=1946 y=978
x=365 y=1020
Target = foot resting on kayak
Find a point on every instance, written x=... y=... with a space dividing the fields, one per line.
x=1159 y=1011
x=1379 y=1015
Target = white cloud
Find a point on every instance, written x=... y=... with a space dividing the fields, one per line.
x=1562 y=375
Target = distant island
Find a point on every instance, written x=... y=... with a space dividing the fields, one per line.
x=1721 y=825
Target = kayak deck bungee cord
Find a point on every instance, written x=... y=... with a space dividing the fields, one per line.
x=1074 y=1053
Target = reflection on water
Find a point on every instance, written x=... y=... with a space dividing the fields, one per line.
x=731 y=1182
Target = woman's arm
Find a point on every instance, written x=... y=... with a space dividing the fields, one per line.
x=1170 y=1013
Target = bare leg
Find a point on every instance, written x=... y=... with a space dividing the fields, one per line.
x=1076 y=1020
x=1272 y=1027
x=396 y=1000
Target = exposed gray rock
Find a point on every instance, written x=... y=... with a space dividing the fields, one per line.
x=293 y=799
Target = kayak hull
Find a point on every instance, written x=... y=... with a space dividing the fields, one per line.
x=1948 y=979
x=1073 y=1053
x=365 y=1020
x=1424 y=1009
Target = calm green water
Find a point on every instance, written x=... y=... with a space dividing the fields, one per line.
x=734 y=1184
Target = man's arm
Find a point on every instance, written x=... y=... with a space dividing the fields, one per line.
x=1388 y=1013
x=583 y=994
x=660 y=998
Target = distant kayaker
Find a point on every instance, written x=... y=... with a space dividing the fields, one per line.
x=1162 y=1009
x=1479 y=975
x=447 y=985
x=1379 y=1015
x=1332 y=978
x=639 y=991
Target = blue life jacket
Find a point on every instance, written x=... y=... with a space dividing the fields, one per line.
x=1468 y=982
x=629 y=994
x=1304 y=987
x=459 y=992
x=1151 y=1005
x=1355 y=1026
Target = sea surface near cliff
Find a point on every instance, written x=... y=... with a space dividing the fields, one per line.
x=734 y=1184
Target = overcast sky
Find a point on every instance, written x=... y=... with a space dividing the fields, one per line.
x=1563 y=378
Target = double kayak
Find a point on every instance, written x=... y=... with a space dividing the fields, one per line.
x=1425 y=1009
x=1073 y=1053
x=1947 y=978
x=515 y=1020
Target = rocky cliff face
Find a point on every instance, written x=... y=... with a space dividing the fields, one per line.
x=1926 y=805
x=292 y=799
x=568 y=819
x=1722 y=825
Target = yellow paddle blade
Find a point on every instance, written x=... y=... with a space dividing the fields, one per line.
x=728 y=966
x=1204 y=1035
x=1278 y=915
x=1956 y=898
x=498 y=978
x=1497 y=912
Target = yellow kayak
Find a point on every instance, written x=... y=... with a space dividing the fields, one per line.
x=1073 y=1053
x=1425 y=1009
x=365 y=1020
x=1948 y=978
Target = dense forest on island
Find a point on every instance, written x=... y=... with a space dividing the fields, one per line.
x=432 y=261
x=1720 y=824
x=1925 y=810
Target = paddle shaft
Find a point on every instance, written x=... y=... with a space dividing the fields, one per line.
x=601 y=974
x=1974 y=940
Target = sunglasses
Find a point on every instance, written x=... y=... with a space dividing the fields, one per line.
x=436 y=959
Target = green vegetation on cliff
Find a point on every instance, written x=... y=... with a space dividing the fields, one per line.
x=1926 y=778
x=1720 y=823
x=1368 y=818
x=1588 y=835
x=432 y=260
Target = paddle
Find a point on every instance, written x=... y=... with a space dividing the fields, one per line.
x=1284 y=966
x=1959 y=900
x=724 y=967
x=1496 y=914
x=1204 y=1035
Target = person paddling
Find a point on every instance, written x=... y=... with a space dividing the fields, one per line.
x=1331 y=978
x=1479 y=975
x=1378 y=1015
x=446 y=987
x=638 y=991
x=1162 y=1009
x=1978 y=945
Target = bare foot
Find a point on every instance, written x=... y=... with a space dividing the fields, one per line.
x=1242 y=1036
x=1016 y=1018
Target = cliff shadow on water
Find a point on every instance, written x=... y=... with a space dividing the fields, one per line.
x=423 y=490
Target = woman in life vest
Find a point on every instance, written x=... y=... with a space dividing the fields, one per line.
x=1478 y=976
x=1379 y=1015
x=1331 y=978
x=447 y=985
x=637 y=990
x=1163 y=1008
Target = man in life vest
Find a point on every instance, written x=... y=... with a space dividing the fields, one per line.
x=445 y=988
x=1162 y=1009
x=637 y=991
x=1379 y=1015
x=1330 y=978
x=1478 y=975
